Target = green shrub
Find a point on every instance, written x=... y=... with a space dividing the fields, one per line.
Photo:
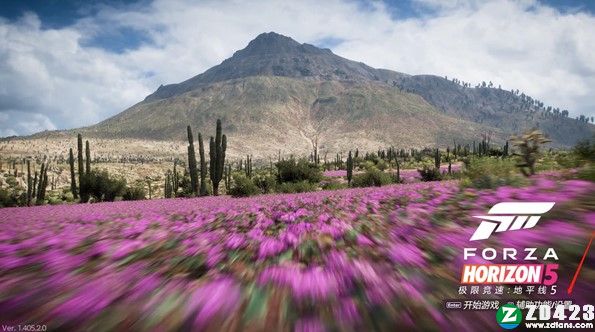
x=103 y=187
x=585 y=150
x=298 y=171
x=372 y=177
x=8 y=198
x=243 y=186
x=429 y=173
x=266 y=183
x=587 y=173
x=134 y=193
x=332 y=185
x=296 y=187
x=490 y=172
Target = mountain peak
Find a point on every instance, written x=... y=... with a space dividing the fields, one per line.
x=273 y=54
x=274 y=43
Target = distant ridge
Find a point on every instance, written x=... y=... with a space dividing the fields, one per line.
x=279 y=94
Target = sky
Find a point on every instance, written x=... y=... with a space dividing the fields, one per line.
x=69 y=63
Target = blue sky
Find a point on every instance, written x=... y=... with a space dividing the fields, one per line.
x=70 y=63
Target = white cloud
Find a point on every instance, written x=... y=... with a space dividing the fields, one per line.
x=522 y=45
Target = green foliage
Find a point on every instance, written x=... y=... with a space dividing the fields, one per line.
x=103 y=187
x=372 y=177
x=587 y=173
x=298 y=171
x=332 y=185
x=243 y=186
x=490 y=172
x=585 y=150
x=265 y=182
x=134 y=193
x=430 y=173
x=296 y=187
x=9 y=197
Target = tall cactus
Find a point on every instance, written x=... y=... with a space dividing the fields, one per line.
x=192 y=162
x=349 y=168
x=81 y=165
x=203 y=166
x=72 y=176
x=217 y=146
x=398 y=171
x=34 y=189
x=437 y=159
x=167 y=186
x=43 y=182
x=87 y=158
x=29 y=183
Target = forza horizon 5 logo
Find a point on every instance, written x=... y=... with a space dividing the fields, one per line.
x=510 y=216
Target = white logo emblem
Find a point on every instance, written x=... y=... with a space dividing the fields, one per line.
x=510 y=216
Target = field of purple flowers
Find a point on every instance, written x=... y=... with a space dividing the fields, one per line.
x=356 y=260
x=407 y=175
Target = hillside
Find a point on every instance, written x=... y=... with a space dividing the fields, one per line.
x=279 y=94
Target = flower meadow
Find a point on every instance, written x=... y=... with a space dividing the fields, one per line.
x=407 y=175
x=355 y=260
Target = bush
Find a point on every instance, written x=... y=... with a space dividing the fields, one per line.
x=585 y=150
x=134 y=193
x=373 y=177
x=332 y=185
x=243 y=186
x=104 y=188
x=8 y=198
x=428 y=173
x=587 y=173
x=266 y=183
x=302 y=170
x=296 y=187
x=489 y=172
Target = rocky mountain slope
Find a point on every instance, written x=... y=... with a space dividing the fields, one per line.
x=278 y=94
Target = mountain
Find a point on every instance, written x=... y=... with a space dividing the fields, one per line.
x=278 y=94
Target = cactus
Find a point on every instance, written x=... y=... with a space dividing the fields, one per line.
x=34 y=188
x=29 y=183
x=82 y=182
x=398 y=171
x=87 y=158
x=167 y=189
x=43 y=182
x=217 y=147
x=72 y=176
x=203 y=167
x=192 y=162
x=505 y=150
x=349 y=168
x=227 y=178
x=41 y=172
x=176 y=182
x=437 y=159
